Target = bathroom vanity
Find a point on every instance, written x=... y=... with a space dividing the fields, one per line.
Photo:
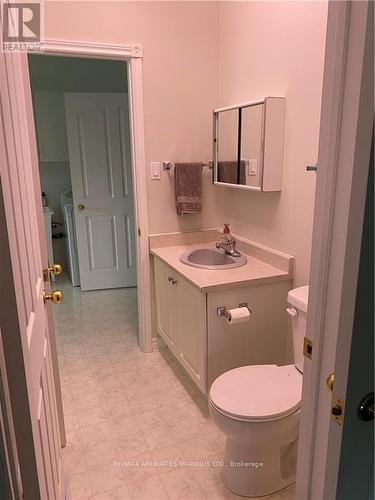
x=187 y=300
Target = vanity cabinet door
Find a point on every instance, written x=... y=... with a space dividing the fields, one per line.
x=191 y=326
x=165 y=296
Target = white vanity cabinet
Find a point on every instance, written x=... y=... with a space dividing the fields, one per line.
x=203 y=341
x=181 y=321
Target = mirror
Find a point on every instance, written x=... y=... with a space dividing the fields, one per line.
x=248 y=145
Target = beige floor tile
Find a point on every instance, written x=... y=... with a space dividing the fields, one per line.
x=194 y=495
x=100 y=454
x=74 y=462
x=218 y=492
x=95 y=434
x=208 y=474
x=117 y=410
x=91 y=417
x=132 y=445
x=87 y=401
x=141 y=403
x=82 y=388
x=112 y=394
x=80 y=487
x=73 y=440
x=106 y=479
x=149 y=419
x=187 y=429
x=164 y=398
x=107 y=383
x=68 y=404
x=138 y=468
x=121 y=493
x=216 y=440
x=179 y=482
x=174 y=414
x=123 y=426
x=168 y=458
x=198 y=407
x=151 y=489
x=159 y=436
x=196 y=449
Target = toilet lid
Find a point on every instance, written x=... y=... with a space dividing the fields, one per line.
x=258 y=392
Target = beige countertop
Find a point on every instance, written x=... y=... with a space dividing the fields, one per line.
x=254 y=272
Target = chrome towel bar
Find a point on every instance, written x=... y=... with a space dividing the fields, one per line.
x=167 y=165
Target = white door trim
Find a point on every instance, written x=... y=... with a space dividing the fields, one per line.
x=344 y=152
x=132 y=54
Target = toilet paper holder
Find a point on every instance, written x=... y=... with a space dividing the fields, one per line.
x=223 y=311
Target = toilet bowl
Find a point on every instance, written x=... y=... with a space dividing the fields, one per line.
x=257 y=407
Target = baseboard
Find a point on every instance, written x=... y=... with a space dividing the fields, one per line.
x=158 y=344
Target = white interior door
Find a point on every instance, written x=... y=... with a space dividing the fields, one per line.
x=343 y=165
x=100 y=163
x=26 y=336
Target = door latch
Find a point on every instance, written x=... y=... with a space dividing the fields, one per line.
x=337 y=409
x=307 y=348
x=56 y=269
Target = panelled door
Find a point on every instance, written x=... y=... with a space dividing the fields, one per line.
x=23 y=313
x=100 y=163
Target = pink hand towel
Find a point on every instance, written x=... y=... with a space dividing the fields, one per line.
x=188 y=188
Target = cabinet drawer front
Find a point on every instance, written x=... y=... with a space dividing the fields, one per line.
x=165 y=295
x=192 y=337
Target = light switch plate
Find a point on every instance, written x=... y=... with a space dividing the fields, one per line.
x=155 y=170
x=253 y=167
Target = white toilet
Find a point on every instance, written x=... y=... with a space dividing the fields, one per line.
x=258 y=408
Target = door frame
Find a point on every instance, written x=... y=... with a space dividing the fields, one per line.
x=343 y=163
x=132 y=54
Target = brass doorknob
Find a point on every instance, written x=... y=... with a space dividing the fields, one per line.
x=56 y=296
x=330 y=381
x=56 y=269
x=81 y=206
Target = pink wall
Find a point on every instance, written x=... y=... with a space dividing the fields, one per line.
x=180 y=44
x=199 y=55
x=276 y=48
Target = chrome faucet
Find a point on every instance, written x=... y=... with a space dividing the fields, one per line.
x=228 y=243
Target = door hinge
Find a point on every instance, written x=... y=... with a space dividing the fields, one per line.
x=307 y=348
x=139 y=231
x=337 y=409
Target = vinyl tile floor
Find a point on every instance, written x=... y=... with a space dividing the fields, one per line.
x=136 y=426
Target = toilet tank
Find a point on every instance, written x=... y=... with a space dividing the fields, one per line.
x=297 y=310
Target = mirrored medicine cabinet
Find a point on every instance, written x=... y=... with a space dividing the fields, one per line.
x=248 y=144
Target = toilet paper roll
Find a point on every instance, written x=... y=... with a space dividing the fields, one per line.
x=238 y=315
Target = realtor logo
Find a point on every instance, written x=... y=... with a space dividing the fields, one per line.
x=21 y=26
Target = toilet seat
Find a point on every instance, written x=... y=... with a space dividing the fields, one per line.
x=258 y=393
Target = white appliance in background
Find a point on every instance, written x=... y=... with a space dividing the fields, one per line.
x=48 y=212
x=66 y=199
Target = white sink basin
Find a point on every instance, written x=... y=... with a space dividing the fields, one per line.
x=211 y=258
